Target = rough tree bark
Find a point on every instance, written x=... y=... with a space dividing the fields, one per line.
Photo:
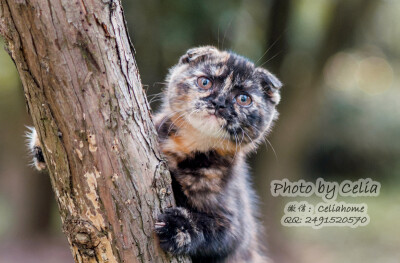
x=84 y=94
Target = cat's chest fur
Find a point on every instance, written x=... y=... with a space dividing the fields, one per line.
x=201 y=171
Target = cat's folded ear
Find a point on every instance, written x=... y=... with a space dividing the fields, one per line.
x=198 y=54
x=270 y=84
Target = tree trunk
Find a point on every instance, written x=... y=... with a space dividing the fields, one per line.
x=84 y=94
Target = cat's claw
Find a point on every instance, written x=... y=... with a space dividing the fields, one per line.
x=174 y=230
x=159 y=224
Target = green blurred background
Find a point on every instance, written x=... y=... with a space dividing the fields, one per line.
x=339 y=61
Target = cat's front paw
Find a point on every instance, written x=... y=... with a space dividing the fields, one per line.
x=175 y=230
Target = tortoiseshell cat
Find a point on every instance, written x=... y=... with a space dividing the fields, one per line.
x=217 y=107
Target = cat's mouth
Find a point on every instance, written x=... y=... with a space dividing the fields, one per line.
x=212 y=117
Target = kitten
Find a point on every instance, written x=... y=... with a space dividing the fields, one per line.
x=216 y=109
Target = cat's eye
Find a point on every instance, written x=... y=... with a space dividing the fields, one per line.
x=204 y=83
x=243 y=100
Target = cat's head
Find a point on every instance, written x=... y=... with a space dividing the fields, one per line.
x=223 y=95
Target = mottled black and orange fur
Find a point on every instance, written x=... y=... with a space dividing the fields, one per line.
x=205 y=136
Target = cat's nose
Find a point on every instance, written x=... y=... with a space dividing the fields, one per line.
x=219 y=103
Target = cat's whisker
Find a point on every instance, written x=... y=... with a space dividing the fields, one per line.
x=181 y=116
x=151 y=101
x=265 y=140
x=173 y=122
x=242 y=135
x=181 y=124
x=221 y=138
x=272 y=45
x=166 y=117
x=155 y=97
x=219 y=132
x=164 y=84
x=251 y=140
x=273 y=149
x=271 y=58
x=236 y=139
x=146 y=87
x=218 y=36
x=226 y=30
x=156 y=94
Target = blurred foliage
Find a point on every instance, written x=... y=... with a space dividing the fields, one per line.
x=356 y=124
x=340 y=110
x=10 y=105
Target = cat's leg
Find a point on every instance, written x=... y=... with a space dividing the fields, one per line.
x=181 y=231
x=36 y=149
